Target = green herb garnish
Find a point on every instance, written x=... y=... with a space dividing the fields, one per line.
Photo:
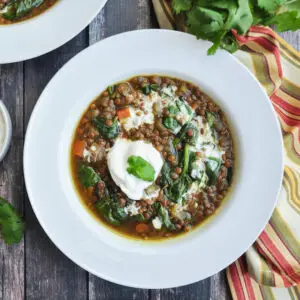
x=214 y=20
x=140 y=168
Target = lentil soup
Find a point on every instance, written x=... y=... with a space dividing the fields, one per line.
x=152 y=157
x=12 y=11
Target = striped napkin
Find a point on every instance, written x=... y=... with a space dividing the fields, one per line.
x=270 y=269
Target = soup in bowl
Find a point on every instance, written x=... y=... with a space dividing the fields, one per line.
x=12 y=11
x=153 y=157
x=73 y=203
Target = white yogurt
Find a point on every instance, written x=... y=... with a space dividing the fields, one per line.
x=117 y=161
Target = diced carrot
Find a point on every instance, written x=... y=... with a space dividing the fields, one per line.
x=123 y=113
x=78 y=148
x=142 y=228
x=194 y=105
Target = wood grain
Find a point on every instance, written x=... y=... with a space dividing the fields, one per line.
x=49 y=274
x=293 y=38
x=11 y=181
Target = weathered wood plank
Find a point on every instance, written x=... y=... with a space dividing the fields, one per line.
x=49 y=274
x=116 y=17
x=293 y=38
x=121 y=16
x=219 y=289
x=196 y=291
x=11 y=181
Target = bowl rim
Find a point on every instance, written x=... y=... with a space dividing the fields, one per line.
x=8 y=130
x=68 y=253
x=40 y=28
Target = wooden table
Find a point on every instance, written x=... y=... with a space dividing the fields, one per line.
x=36 y=269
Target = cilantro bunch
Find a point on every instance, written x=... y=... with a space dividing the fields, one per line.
x=214 y=20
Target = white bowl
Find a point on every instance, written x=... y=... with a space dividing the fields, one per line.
x=7 y=130
x=207 y=249
x=47 y=31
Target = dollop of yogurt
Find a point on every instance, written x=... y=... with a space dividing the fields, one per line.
x=117 y=161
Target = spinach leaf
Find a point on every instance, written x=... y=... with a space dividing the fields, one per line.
x=88 y=176
x=119 y=213
x=184 y=107
x=183 y=135
x=211 y=118
x=12 y=226
x=111 y=89
x=173 y=110
x=109 y=206
x=140 y=218
x=140 y=168
x=155 y=206
x=108 y=132
x=178 y=188
x=164 y=215
x=106 y=210
x=175 y=189
x=177 y=109
x=192 y=159
x=213 y=166
x=186 y=159
x=166 y=178
x=171 y=124
x=146 y=89
x=19 y=8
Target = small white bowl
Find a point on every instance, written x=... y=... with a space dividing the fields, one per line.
x=47 y=31
x=8 y=130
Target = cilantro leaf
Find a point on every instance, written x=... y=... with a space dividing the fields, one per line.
x=288 y=20
x=181 y=5
x=214 y=20
x=292 y=5
x=140 y=168
x=204 y=23
x=241 y=17
x=12 y=226
x=88 y=176
x=270 y=5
